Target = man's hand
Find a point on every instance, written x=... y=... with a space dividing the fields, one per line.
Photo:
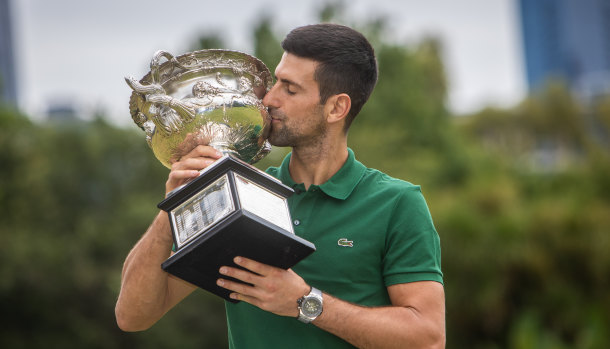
x=189 y=165
x=416 y=318
x=273 y=289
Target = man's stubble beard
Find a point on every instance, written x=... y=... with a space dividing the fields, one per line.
x=291 y=136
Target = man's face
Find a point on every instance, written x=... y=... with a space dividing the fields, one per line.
x=294 y=104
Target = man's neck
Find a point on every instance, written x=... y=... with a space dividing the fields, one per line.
x=316 y=165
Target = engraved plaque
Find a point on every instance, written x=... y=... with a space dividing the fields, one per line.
x=264 y=203
x=202 y=210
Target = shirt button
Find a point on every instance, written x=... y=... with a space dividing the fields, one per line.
x=297 y=222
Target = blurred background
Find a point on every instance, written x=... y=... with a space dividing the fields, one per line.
x=499 y=109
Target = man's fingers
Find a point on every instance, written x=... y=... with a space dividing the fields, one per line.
x=254 y=266
x=188 y=166
x=276 y=291
x=241 y=275
x=179 y=175
x=203 y=151
x=241 y=292
x=197 y=163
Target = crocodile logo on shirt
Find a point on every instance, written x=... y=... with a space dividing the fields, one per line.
x=345 y=242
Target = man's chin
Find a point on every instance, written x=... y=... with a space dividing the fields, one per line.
x=278 y=141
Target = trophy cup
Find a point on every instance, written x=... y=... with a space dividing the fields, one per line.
x=214 y=97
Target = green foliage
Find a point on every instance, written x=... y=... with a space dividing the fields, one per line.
x=524 y=249
x=406 y=117
x=209 y=41
x=74 y=199
x=266 y=45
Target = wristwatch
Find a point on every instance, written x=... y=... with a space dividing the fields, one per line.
x=310 y=306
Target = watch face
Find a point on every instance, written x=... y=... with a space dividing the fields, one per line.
x=311 y=307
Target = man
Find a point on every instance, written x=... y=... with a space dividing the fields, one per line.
x=377 y=261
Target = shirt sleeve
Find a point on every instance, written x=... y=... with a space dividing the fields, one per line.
x=412 y=250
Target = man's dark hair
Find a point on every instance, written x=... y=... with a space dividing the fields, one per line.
x=346 y=60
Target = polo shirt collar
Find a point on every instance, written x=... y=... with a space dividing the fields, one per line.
x=339 y=186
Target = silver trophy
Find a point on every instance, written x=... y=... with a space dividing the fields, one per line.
x=213 y=97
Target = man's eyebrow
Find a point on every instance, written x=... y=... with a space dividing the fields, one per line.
x=288 y=81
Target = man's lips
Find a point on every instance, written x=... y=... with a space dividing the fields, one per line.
x=275 y=116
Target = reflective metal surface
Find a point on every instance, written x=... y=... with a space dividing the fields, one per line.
x=203 y=97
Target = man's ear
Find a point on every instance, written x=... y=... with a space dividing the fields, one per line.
x=337 y=107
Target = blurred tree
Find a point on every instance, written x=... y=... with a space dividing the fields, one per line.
x=267 y=46
x=406 y=118
x=331 y=11
x=546 y=132
x=75 y=197
x=208 y=41
x=529 y=243
x=268 y=49
x=601 y=114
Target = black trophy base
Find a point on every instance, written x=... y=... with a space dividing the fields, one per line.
x=241 y=234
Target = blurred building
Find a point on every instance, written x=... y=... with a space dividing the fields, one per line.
x=62 y=112
x=570 y=40
x=8 y=81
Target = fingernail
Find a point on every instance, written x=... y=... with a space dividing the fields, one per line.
x=237 y=260
x=223 y=270
x=220 y=282
x=218 y=154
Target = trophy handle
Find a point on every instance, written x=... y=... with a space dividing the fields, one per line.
x=141 y=108
x=155 y=109
x=155 y=64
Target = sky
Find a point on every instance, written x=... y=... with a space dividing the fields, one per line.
x=78 y=52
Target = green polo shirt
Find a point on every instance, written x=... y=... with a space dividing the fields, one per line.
x=370 y=231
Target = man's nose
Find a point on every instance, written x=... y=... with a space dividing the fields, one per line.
x=269 y=100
